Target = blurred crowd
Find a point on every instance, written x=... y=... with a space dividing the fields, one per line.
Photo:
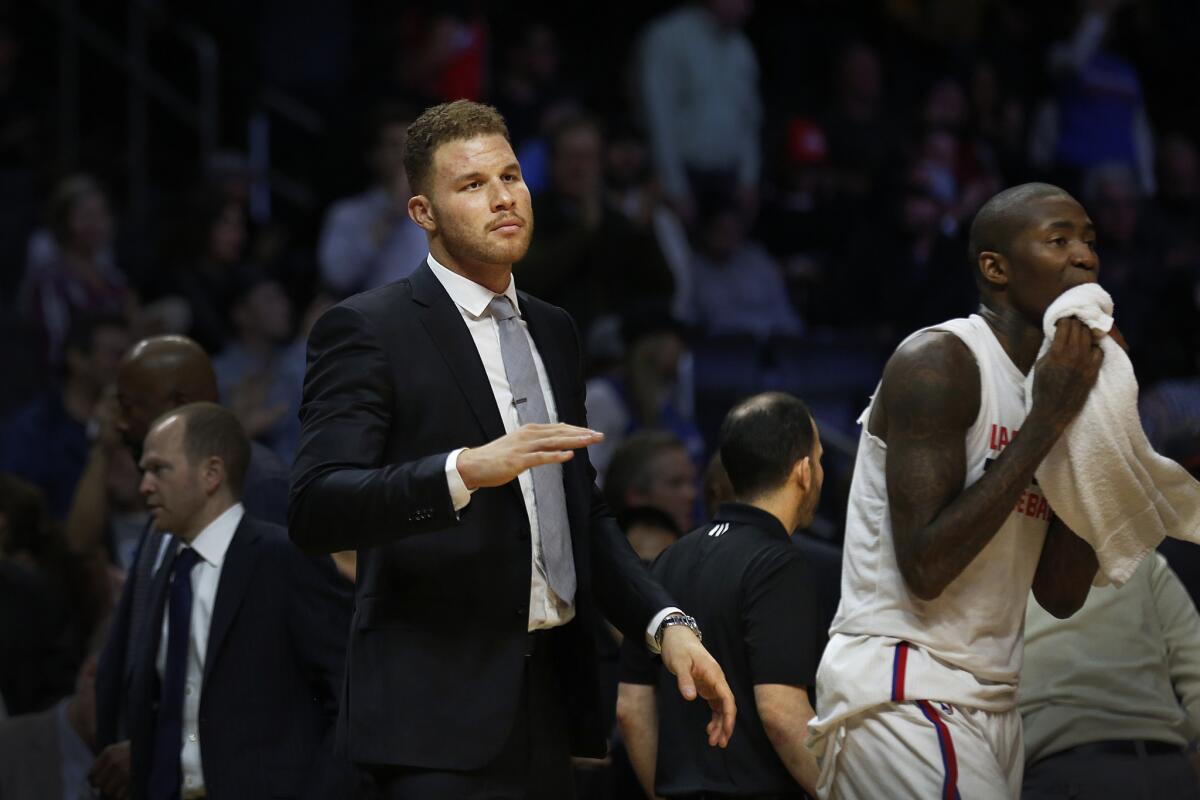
x=728 y=198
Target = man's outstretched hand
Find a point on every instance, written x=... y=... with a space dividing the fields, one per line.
x=699 y=674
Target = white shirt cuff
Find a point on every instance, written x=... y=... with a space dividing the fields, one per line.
x=652 y=628
x=460 y=495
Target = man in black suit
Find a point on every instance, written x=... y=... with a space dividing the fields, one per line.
x=443 y=435
x=157 y=375
x=236 y=696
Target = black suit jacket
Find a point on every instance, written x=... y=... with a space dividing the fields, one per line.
x=265 y=497
x=272 y=672
x=395 y=383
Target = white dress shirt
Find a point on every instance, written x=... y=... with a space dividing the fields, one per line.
x=211 y=545
x=546 y=609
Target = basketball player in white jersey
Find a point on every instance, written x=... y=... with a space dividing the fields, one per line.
x=947 y=530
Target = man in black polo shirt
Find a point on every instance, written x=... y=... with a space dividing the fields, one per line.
x=754 y=598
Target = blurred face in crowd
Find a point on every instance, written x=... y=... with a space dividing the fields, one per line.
x=265 y=312
x=227 y=237
x=731 y=13
x=860 y=76
x=723 y=235
x=537 y=57
x=173 y=487
x=89 y=225
x=578 y=162
x=477 y=210
x=142 y=397
x=1116 y=208
x=109 y=343
x=1179 y=168
x=671 y=488
x=946 y=105
x=812 y=498
x=388 y=155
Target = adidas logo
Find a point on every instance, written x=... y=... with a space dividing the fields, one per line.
x=717 y=530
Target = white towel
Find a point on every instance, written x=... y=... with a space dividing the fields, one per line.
x=1102 y=477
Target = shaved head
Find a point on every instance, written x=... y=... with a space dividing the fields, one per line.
x=176 y=362
x=1004 y=216
x=157 y=375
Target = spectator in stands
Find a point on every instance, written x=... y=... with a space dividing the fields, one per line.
x=645 y=391
x=1110 y=697
x=368 y=240
x=211 y=252
x=587 y=257
x=650 y=530
x=739 y=287
x=1134 y=252
x=107 y=515
x=530 y=83
x=862 y=140
x=1098 y=114
x=705 y=140
x=922 y=279
x=75 y=278
x=652 y=468
x=635 y=191
x=262 y=365
x=47 y=754
x=47 y=442
x=37 y=635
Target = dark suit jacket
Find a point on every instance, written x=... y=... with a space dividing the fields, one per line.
x=272 y=671
x=395 y=383
x=265 y=498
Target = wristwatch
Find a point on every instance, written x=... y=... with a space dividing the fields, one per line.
x=676 y=619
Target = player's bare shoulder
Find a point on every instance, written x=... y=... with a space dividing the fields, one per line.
x=930 y=382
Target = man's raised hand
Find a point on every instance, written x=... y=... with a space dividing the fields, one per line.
x=499 y=461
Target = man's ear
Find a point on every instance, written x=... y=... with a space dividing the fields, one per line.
x=802 y=474
x=213 y=474
x=993 y=268
x=420 y=211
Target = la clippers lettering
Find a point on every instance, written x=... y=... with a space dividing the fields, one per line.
x=1031 y=503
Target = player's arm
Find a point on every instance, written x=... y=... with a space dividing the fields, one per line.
x=785 y=713
x=930 y=396
x=637 y=715
x=1065 y=571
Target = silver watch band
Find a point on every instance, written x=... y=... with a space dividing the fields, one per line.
x=677 y=619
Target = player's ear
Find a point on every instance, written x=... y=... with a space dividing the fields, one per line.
x=420 y=211
x=993 y=268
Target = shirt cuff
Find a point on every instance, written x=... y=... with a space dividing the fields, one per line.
x=652 y=628
x=460 y=495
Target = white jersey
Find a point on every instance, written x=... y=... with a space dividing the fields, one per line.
x=964 y=647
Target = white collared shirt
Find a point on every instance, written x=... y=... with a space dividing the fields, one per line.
x=546 y=609
x=210 y=544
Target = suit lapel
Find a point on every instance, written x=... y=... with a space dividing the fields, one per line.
x=443 y=321
x=236 y=572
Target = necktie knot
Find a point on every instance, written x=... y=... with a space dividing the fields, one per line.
x=501 y=308
x=184 y=562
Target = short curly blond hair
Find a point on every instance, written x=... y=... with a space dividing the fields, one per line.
x=447 y=122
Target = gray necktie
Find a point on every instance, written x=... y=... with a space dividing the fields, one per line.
x=553 y=528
